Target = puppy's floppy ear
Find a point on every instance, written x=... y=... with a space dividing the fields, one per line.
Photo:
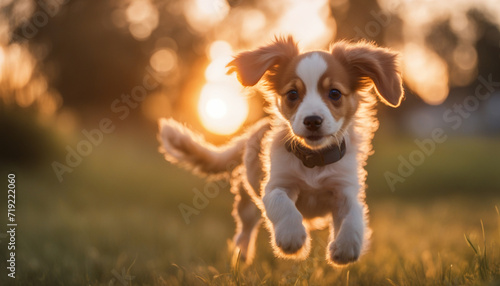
x=250 y=66
x=369 y=64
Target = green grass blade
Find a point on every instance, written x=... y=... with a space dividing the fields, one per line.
x=470 y=244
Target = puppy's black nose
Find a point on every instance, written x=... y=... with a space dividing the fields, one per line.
x=313 y=123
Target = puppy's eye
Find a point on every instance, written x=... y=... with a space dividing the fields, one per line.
x=292 y=95
x=334 y=94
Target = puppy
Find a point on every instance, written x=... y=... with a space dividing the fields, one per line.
x=303 y=168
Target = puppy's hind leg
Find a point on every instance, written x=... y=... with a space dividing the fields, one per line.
x=248 y=219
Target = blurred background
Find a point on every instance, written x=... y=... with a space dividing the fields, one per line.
x=83 y=83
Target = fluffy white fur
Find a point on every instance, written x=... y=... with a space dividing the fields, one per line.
x=271 y=183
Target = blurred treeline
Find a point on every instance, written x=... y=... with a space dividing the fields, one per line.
x=63 y=63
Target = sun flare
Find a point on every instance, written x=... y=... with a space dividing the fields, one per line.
x=221 y=107
x=216 y=108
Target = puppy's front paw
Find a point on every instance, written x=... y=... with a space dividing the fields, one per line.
x=290 y=238
x=344 y=250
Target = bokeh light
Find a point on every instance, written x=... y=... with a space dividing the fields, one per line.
x=142 y=16
x=22 y=85
x=425 y=67
x=203 y=15
x=20 y=64
x=254 y=21
x=163 y=60
x=309 y=22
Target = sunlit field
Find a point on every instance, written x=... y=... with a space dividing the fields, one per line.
x=110 y=224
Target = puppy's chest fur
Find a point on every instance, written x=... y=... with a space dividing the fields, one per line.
x=285 y=165
x=316 y=190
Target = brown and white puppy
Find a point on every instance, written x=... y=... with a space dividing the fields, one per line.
x=303 y=168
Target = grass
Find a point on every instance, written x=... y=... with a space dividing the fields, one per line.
x=115 y=221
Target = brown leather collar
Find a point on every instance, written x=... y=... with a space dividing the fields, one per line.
x=322 y=157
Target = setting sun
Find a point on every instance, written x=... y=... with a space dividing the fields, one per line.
x=216 y=108
x=222 y=108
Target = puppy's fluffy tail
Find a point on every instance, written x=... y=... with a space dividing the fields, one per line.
x=190 y=150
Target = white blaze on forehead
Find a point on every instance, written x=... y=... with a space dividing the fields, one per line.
x=310 y=69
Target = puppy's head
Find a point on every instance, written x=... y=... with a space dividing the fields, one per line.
x=318 y=92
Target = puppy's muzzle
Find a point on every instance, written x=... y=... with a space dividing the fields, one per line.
x=313 y=123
